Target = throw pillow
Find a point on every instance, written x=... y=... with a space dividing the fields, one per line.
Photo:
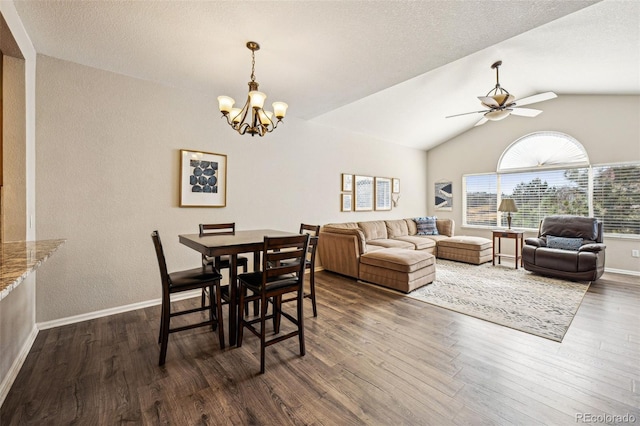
x=564 y=243
x=426 y=225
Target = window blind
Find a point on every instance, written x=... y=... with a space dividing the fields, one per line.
x=616 y=197
x=545 y=193
x=480 y=201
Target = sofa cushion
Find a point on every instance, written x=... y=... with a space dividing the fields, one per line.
x=564 y=243
x=466 y=243
x=396 y=228
x=420 y=242
x=373 y=230
x=387 y=242
x=412 y=227
x=426 y=225
x=398 y=259
x=555 y=259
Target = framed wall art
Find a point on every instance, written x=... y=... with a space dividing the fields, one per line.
x=203 y=179
x=346 y=202
x=444 y=196
x=396 y=185
x=383 y=193
x=363 y=193
x=347 y=182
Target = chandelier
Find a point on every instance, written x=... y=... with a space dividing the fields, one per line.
x=252 y=118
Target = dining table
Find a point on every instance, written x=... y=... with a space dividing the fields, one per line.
x=249 y=241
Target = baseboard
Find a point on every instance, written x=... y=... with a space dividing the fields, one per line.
x=6 y=384
x=622 y=271
x=112 y=311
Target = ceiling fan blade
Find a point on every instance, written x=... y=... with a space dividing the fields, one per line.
x=466 y=113
x=481 y=122
x=536 y=98
x=489 y=102
x=525 y=112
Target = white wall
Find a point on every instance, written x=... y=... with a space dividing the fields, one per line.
x=107 y=164
x=607 y=126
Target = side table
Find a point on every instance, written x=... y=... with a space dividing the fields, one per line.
x=518 y=236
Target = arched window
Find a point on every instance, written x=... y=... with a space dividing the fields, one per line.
x=543 y=150
x=549 y=173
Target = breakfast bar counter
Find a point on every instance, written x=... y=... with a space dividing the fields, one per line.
x=20 y=258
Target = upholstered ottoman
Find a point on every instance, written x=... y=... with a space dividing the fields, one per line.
x=397 y=268
x=474 y=250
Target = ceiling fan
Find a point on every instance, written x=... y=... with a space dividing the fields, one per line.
x=501 y=103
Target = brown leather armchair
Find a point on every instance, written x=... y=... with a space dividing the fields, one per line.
x=568 y=247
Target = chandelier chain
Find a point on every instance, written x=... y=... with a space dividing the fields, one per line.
x=253 y=65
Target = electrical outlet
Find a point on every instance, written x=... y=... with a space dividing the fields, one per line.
x=635 y=253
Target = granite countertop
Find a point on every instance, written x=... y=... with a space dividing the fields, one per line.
x=19 y=258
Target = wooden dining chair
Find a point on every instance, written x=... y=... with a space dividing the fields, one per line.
x=283 y=268
x=175 y=282
x=310 y=263
x=221 y=262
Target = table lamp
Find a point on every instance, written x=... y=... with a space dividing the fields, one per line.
x=508 y=205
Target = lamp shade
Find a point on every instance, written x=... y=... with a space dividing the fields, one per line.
x=280 y=109
x=508 y=205
x=225 y=103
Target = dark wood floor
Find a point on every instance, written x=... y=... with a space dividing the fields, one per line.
x=373 y=357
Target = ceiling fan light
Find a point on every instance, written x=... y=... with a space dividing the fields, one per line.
x=503 y=99
x=498 y=114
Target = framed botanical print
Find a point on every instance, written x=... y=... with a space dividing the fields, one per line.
x=396 y=185
x=383 y=193
x=346 y=202
x=347 y=182
x=363 y=193
x=203 y=179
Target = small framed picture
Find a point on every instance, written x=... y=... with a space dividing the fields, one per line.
x=346 y=202
x=363 y=193
x=203 y=179
x=396 y=186
x=347 y=182
x=383 y=193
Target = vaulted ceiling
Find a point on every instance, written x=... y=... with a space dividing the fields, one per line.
x=389 y=69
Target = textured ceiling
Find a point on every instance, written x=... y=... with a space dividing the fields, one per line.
x=390 y=69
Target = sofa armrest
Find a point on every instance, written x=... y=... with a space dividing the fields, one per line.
x=340 y=250
x=446 y=227
x=536 y=242
x=595 y=247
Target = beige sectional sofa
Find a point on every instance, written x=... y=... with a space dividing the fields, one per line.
x=392 y=254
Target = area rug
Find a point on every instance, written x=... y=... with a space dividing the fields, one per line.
x=512 y=298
